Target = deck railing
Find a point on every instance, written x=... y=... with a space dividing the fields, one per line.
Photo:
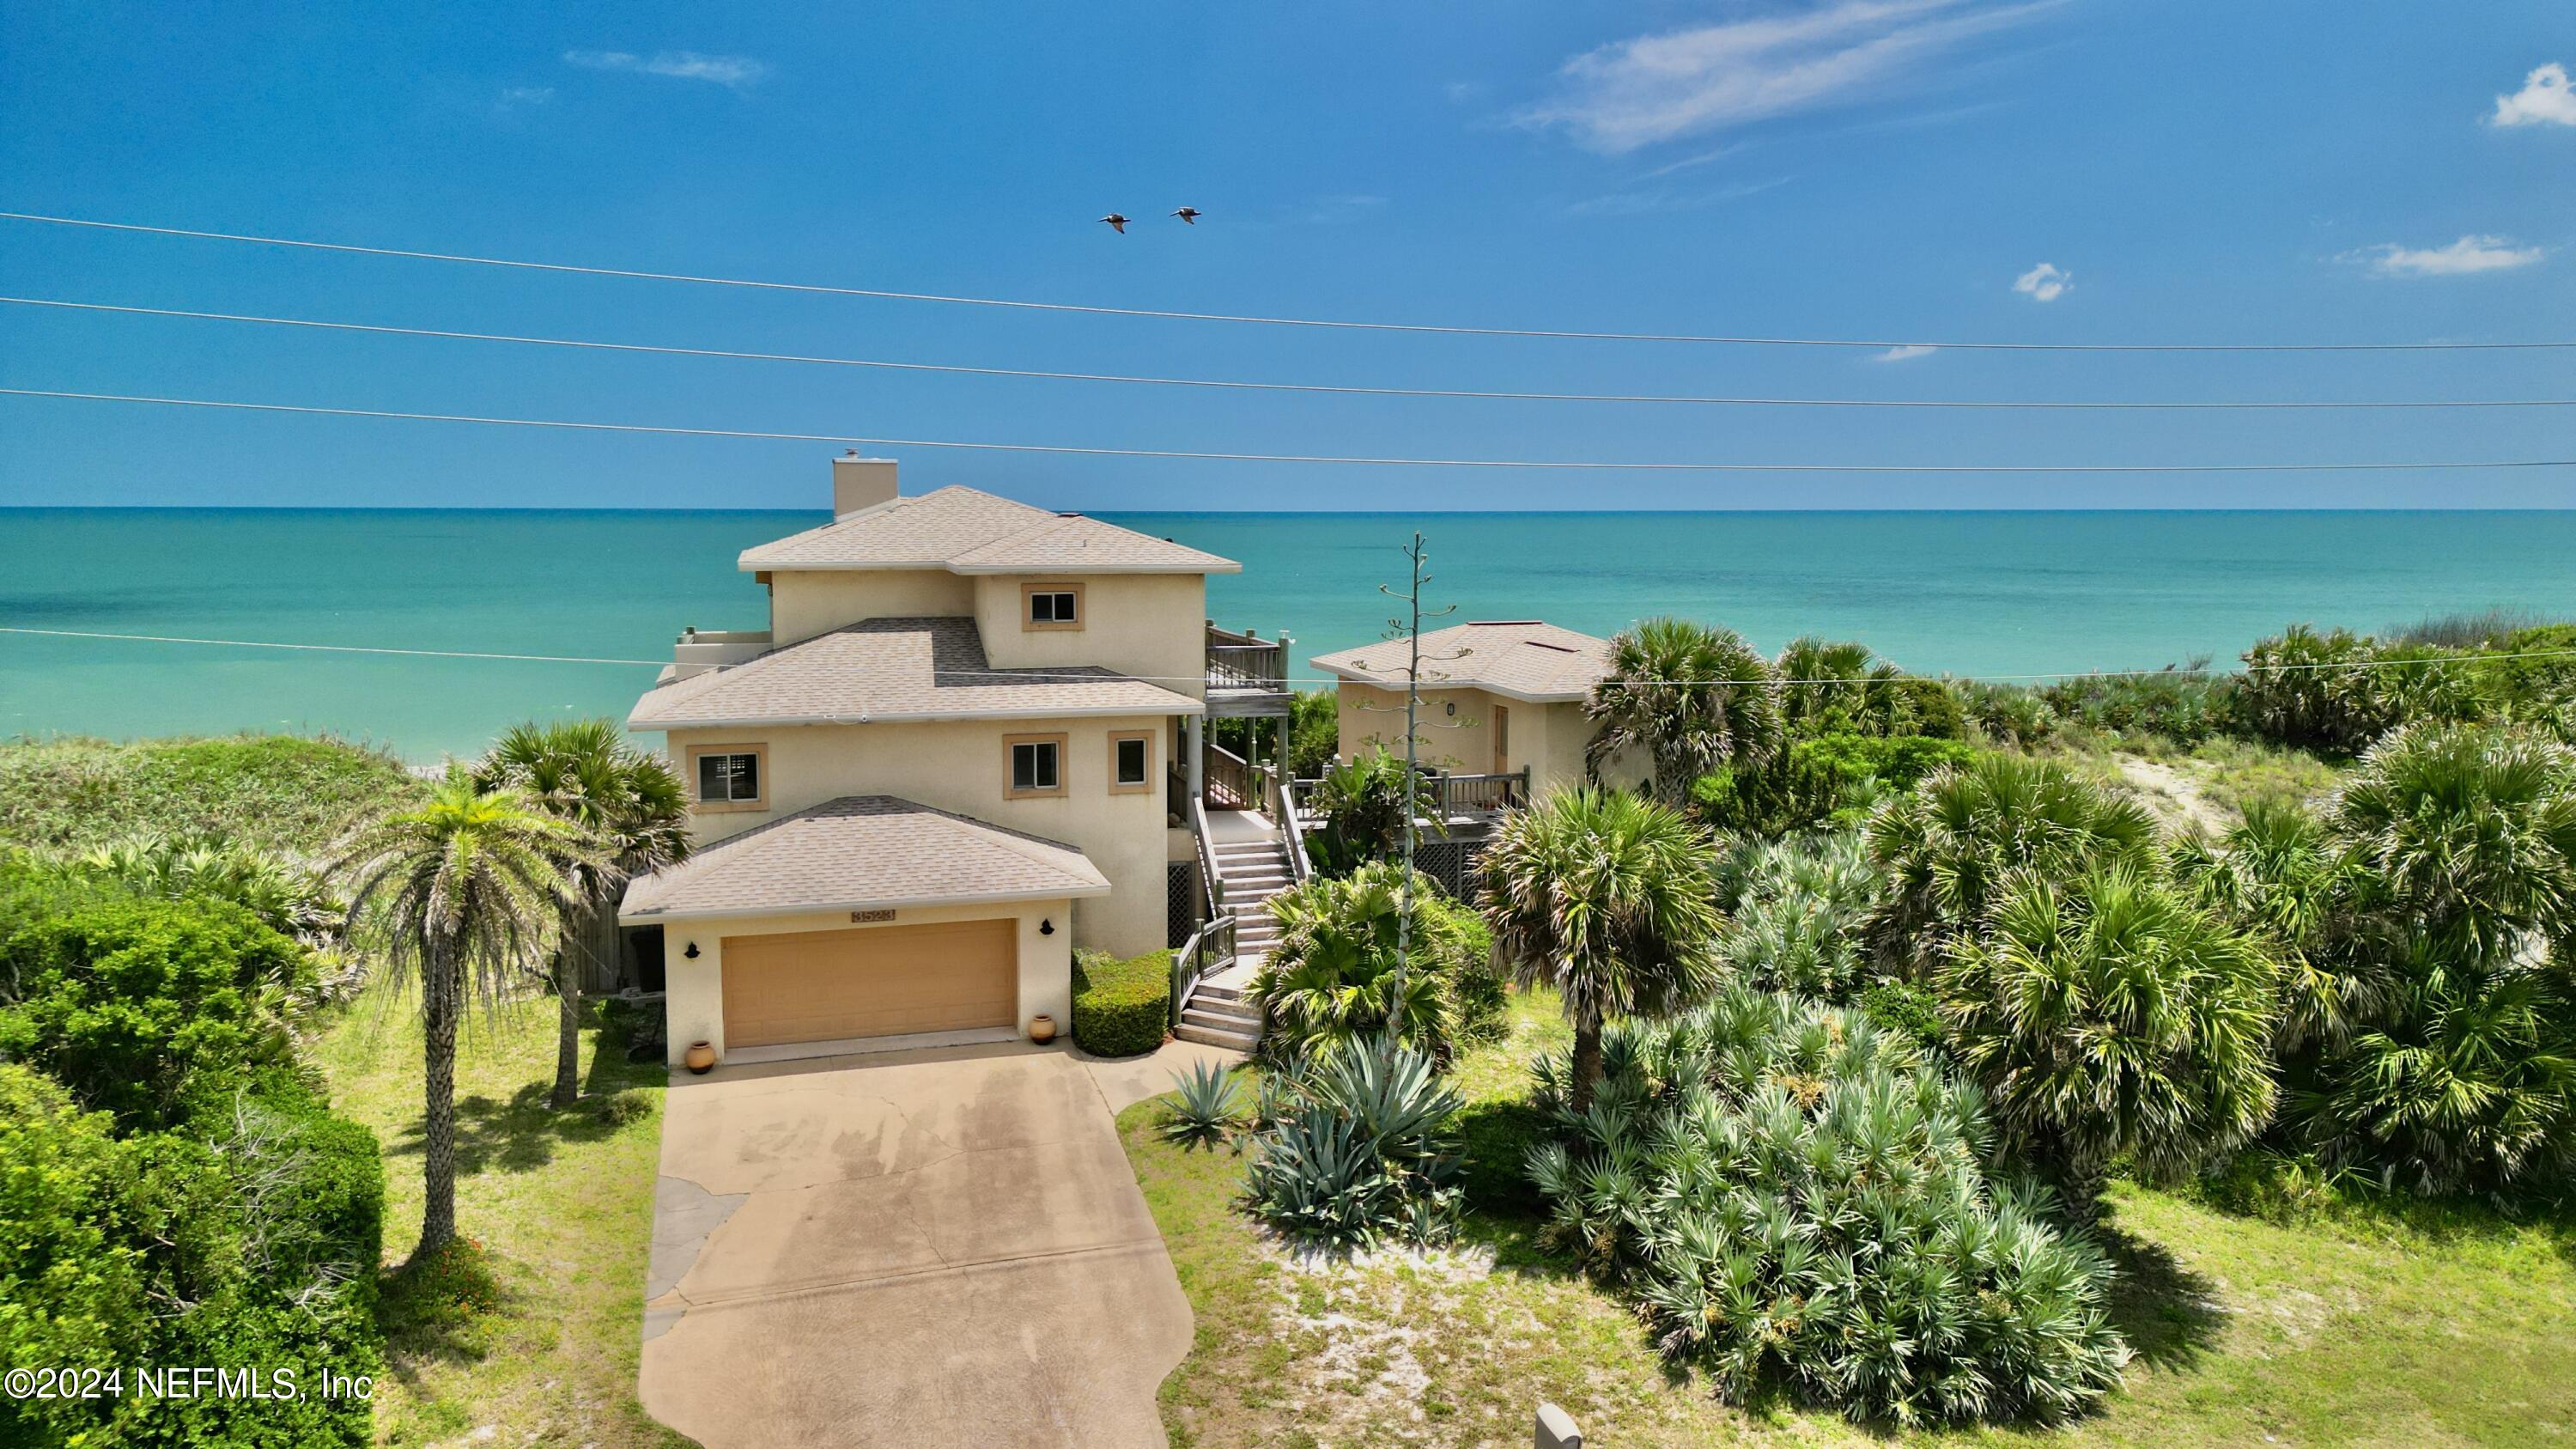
x=1260 y=666
x=1230 y=782
x=1211 y=889
x=1209 y=949
x=1292 y=823
x=1481 y=794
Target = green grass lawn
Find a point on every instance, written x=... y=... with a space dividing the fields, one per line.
x=279 y=791
x=2362 y=1325
x=534 y=1337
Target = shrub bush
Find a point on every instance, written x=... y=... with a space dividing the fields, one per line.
x=2183 y=704
x=1908 y=1011
x=1796 y=1200
x=1121 y=1008
x=2107 y=1017
x=1798 y=906
x=1332 y=975
x=139 y=1004
x=2006 y=714
x=1356 y=1149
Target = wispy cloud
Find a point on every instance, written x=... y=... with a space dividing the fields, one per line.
x=2544 y=100
x=1662 y=199
x=2044 y=283
x=1652 y=88
x=516 y=96
x=736 y=71
x=2468 y=254
x=1906 y=353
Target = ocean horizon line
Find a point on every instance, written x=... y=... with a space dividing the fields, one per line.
x=537 y=510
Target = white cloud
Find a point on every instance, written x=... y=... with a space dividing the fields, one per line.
x=2543 y=100
x=1906 y=353
x=2468 y=254
x=736 y=71
x=1652 y=88
x=2044 y=283
x=517 y=96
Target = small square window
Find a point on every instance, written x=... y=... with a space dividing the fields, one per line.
x=1050 y=606
x=1055 y=608
x=1037 y=766
x=1131 y=762
x=729 y=777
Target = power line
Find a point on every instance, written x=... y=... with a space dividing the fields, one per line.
x=1093 y=677
x=1202 y=455
x=1343 y=324
x=1236 y=384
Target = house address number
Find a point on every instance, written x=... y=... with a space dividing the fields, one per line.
x=869 y=918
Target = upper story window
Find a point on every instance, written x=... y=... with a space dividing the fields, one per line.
x=730 y=777
x=1050 y=606
x=1131 y=762
x=1037 y=765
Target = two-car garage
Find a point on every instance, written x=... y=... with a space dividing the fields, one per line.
x=805 y=986
x=863 y=920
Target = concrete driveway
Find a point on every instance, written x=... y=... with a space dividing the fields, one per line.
x=931 y=1248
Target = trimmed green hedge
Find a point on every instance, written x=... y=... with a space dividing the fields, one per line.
x=1121 y=1008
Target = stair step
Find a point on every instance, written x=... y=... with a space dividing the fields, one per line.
x=1222 y=1016
x=1208 y=1036
x=1216 y=992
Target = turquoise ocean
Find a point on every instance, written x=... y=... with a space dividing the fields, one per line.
x=1992 y=593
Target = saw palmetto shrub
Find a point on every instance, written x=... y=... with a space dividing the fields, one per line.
x=1796 y=1200
x=1796 y=908
x=1356 y=1149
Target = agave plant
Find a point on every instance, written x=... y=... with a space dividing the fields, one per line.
x=1206 y=1107
x=1356 y=1151
x=1949 y=842
x=1793 y=1199
x=2108 y=1017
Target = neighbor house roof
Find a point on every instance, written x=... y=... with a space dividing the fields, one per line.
x=862 y=852
x=1519 y=658
x=966 y=531
x=881 y=670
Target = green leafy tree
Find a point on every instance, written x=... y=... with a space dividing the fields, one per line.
x=1608 y=898
x=1690 y=698
x=2108 y=1017
x=1332 y=976
x=1948 y=843
x=629 y=805
x=469 y=887
x=1363 y=804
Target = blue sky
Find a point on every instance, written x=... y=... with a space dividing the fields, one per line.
x=2183 y=171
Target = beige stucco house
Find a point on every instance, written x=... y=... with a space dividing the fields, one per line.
x=1501 y=713
x=948 y=760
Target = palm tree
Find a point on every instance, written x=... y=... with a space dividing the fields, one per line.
x=2108 y=1017
x=1691 y=697
x=627 y=801
x=469 y=886
x=2473 y=829
x=1947 y=843
x=1333 y=976
x=1610 y=899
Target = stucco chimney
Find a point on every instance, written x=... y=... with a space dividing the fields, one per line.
x=860 y=483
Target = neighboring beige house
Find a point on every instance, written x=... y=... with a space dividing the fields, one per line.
x=1501 y=708
x=949 y=760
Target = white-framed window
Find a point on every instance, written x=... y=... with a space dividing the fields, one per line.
x=729 y=777
x=1036 y=765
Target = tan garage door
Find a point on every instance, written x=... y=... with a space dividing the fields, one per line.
x=825 y=985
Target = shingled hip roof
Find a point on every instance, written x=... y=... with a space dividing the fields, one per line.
x=1520 y=658
x=882 y=670
x=967 y=531
x=862 y=852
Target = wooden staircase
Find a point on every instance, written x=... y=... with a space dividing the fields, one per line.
x=1218 y=1013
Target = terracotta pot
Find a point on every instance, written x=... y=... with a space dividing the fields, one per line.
x=1042 y=1029
x=701 y=1057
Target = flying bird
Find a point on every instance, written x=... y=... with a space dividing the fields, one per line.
x=1116 y=222
x=1188 y=214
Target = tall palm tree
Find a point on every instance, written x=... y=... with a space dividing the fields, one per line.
x=469 y=888
x=1691 y=697
x=630 y=803
x=1608 y=898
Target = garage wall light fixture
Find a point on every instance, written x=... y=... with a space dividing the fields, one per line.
x=692 y=952
x=1046 y=926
